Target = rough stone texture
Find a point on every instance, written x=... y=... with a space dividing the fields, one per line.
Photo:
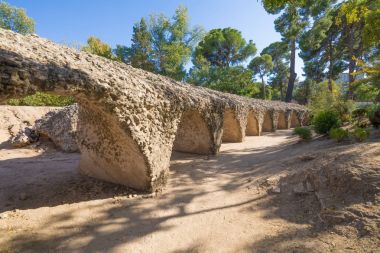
x=232 y=128
x=268 y=122
x=25 y=136
x=252 y=128
x=194 y=135
x=346 y=182
x=294 y=120
x=61 y=127
x=128 y=118
x=19 y=121
x=282 y=121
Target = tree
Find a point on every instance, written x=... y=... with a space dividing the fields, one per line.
x=172 y=42
x=217 y=63
x=224 y=48
x=279 y=75
x=139 y=54
x=290 y=25
x=358 y=21
x=261 y=65
x=235 y=80
x=319 y=49
x=15 y=19
x=305 y=90
x=96 y=46
x=368 y=88
x=162 y=45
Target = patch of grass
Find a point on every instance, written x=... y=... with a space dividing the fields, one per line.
x=42 y=99
x=360 y=134
x=339 y=134
x=303 y=132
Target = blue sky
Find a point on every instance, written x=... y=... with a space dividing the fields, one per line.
x=73 y=21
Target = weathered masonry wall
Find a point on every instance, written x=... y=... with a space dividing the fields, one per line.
x=130 y=120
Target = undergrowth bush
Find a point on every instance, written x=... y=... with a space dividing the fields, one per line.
x=374 y=115
x=344 y=109
x=360 y=112
x=339 y=134
x=303 y=132
x=360 y=134
x=42 y=99
x=326 y=120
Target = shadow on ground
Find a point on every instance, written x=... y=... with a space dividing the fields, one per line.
x=118 y=221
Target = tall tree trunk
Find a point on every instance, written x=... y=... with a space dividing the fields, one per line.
x=331 y=50
x=351 y=63
x=262 y=81
x=281 y=91
x=292 y=77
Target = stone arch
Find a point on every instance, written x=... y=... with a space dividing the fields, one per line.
x=129 y=117
x=231 y=127
x=117 y=143
x=267 y=122
x=281 y=122
x=294 y=122
x=252 y=128
x=306 y=119
x=108 y=151
x=193 y=134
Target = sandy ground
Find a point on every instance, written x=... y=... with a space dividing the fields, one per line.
x=211 y=204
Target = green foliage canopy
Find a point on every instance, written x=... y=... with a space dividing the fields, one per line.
x=261 y=66
x=15 y=19
x=96 y=46
x=224 y=48
x=162 y=45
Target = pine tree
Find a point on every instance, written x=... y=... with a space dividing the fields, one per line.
x=290 y=25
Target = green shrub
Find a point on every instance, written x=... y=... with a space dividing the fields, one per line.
x=360 y=112
x=325 y=120
x=374 y=115
x=344 y=109
x=303 y=132
x=338 y=134
x=360 y=134
x=322 y=98
x=42 y=99
x=361 y=122
x=360 y=116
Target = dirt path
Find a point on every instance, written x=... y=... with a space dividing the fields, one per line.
x=211 y=204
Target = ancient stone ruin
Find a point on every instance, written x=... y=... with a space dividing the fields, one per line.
x=130 y=120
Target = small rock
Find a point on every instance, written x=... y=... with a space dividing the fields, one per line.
x=306 y=158
x=3 y=216
x=276 y=189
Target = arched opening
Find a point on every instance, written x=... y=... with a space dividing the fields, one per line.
x=267 y=123
x=108 y=151
x=294 y=122
x=281 y=123
x=231 y=127
x=252 y=128
x=193 y=135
